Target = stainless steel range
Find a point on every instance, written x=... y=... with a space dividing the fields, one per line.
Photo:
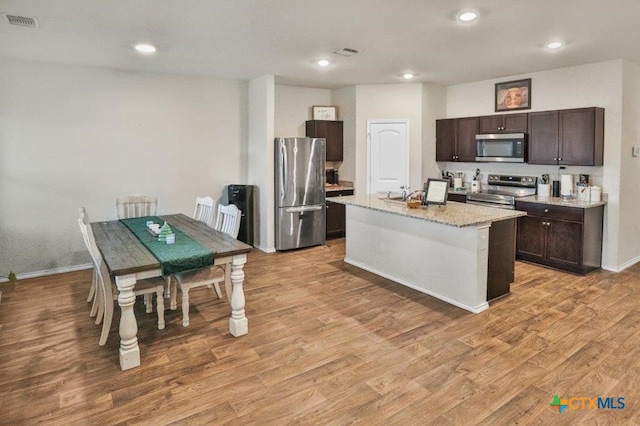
x=502 y=191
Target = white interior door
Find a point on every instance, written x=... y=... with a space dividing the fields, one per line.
x=388 y=155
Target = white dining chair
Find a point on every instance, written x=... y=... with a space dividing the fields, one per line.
x=227 y=221
x=136 y=206
x=91 y=298
x=204 y=209
x=107 y=292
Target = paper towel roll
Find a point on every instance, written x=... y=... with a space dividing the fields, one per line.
x=566 y=185
x=544 y=190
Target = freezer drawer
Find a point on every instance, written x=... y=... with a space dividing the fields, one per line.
x=298 y=227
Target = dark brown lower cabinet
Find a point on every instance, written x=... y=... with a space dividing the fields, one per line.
x=336 y=214
x=502 y=249
x=566 y=238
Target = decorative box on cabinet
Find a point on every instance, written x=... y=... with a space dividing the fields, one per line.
x=567 y=238
x=572 y=137
x=332 y=131
x=456 y=139
x=336 y=214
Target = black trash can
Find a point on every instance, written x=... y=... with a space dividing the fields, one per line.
x=242 y=197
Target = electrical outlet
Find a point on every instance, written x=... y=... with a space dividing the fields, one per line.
x=636 y=150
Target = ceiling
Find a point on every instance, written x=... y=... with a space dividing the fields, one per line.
x=244 y=39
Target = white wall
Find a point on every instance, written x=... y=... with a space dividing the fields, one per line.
x=293 y=107
x=74 y=136
x=629 y=245
x=345 y=99
x=434 y=106
x=261 y=174
x=389 y=101
x=598 y=84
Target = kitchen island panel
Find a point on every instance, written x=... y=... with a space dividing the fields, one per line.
x=446 y=262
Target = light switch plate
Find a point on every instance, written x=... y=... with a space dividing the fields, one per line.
x=636 y=150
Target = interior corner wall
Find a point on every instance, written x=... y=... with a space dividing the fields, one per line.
x=260 y=161
x=293 y=107
x=345 y=99
x=389 y=101
x=74 y=136
x=563 y=88
x=629 y=244
x=434 y=106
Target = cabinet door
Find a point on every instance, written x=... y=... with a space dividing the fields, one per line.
x=490 y=124
x=332 y=131
x=515 y=123
x=564 y=243
x=543 y=137
x=504 y=123
x=531 y=238
x=336 y=217
x=466 y=130
x=446 y=139
x=579 y=142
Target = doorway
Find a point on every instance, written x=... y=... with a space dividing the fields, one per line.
x=388 y=155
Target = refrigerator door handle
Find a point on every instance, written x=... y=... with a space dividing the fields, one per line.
x=303 y=209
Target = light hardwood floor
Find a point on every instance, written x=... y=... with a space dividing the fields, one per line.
x=328 y=344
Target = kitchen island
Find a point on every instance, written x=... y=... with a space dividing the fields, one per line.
x=443 y=251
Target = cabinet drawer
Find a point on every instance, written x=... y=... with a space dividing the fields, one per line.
x=339 y=193
x=550 y=211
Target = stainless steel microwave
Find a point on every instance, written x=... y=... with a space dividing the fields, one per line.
x=502 y=147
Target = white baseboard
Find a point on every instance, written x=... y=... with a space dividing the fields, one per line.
x=46 y=272
x=266 y=249
x=622 y=267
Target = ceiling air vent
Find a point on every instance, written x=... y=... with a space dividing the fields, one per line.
x=23 y=21
x=346 y=52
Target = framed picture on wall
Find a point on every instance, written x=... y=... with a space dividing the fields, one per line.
x=325 y=113
x=513 y=95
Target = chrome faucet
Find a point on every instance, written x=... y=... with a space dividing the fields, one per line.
x=404 y=192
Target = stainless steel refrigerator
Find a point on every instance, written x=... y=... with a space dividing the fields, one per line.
x=299 y=192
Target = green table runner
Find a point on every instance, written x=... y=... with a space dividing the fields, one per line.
x=185 y=255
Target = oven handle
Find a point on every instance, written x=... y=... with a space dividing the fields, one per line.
x=494 y=205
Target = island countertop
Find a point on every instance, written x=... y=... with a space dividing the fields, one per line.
x=451 y=214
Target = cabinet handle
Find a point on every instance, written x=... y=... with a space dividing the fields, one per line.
x=546 y=210
x=560 y=159
x=548 y=223
x=544 y=223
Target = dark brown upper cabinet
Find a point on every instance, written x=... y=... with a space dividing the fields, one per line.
x=332 y=131
x=456 y=139
x=503 y=123
x=571 y=137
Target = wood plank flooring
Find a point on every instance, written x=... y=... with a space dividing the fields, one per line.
x=328 y=344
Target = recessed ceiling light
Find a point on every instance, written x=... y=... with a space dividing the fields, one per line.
x=323 y=62
x=145 y=48
x=467 y=16
x=407 y=76
x=554 y=45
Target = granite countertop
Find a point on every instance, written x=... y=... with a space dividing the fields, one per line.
x=341 y=187
x=557 y=201
x=451 y=214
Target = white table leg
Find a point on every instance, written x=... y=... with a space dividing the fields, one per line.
x=238 y=323
x=129 y=349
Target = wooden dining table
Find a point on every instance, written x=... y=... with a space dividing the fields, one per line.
x=128 y=260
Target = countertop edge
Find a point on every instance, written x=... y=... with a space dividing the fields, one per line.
x=557 y=201
x=490 y=214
